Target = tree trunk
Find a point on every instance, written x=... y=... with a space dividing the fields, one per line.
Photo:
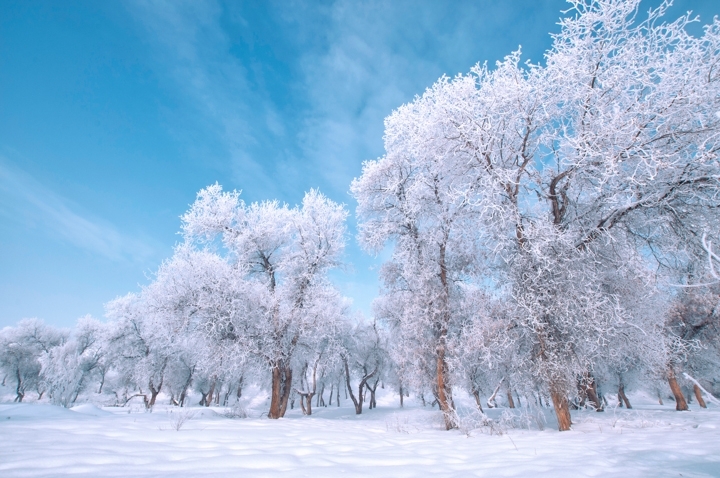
x=20 y=393
x=443 y=392
x=280 y=390
x=476 y=394
x=511 y=403
x=210 y=394
x=332 y=389
x=623 y=398
x=680 y=403
x=698 y=395
x=302 y=404
x=401 y=396
x=320 y=399
x=287 y=384
x=153 y=394
x=275 y=392
x=593 y=395
x=358 y=402
x=562 y=408
x=309 y=403
x=491 y=400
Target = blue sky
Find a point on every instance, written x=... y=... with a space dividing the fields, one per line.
x=114 y=114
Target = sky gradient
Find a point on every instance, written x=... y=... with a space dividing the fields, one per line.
x=114 y=114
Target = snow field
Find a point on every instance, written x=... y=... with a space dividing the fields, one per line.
x=42 y=440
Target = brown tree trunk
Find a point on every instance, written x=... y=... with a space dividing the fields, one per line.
x=20 y=393
x=622 y=397
x=593 y=396
x=287 y=384
x=302 y=404
x=211 y=394
x=358 y=402
x=401 y=396
x=442 y=390
x=511 y=403
x=476 y=394
x=275 y=392
x=698 y=395
x=562 y=408
x=153 y=395
x=680 y=403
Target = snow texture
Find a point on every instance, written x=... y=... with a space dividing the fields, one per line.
x=47 y=441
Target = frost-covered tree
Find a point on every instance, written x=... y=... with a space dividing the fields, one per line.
x=70 y=367
x=280 y=257
x=364 y=357
x=611 y=146
x=20 y=350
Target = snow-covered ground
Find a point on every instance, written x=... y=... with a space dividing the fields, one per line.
x=651 y=440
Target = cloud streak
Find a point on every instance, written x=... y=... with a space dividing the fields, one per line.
x=193 y=49
x=25 y=200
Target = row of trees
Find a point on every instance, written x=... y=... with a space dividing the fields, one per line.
x=546 y=226
x=533 y=210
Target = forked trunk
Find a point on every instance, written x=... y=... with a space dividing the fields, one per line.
x=698 y=395
x=562 y=408
x=622 y=397
x=358 y=402
x=153 y=394
x=680 y=403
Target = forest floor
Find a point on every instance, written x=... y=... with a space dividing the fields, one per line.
x=41 y=440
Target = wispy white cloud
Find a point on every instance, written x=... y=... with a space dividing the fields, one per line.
x=379 y=55
x=192 y=48
x=26 y=201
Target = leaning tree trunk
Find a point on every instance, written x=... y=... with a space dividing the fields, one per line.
x=476 y=394
x=698 y=395
x=622 y=397
x=680 y=403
